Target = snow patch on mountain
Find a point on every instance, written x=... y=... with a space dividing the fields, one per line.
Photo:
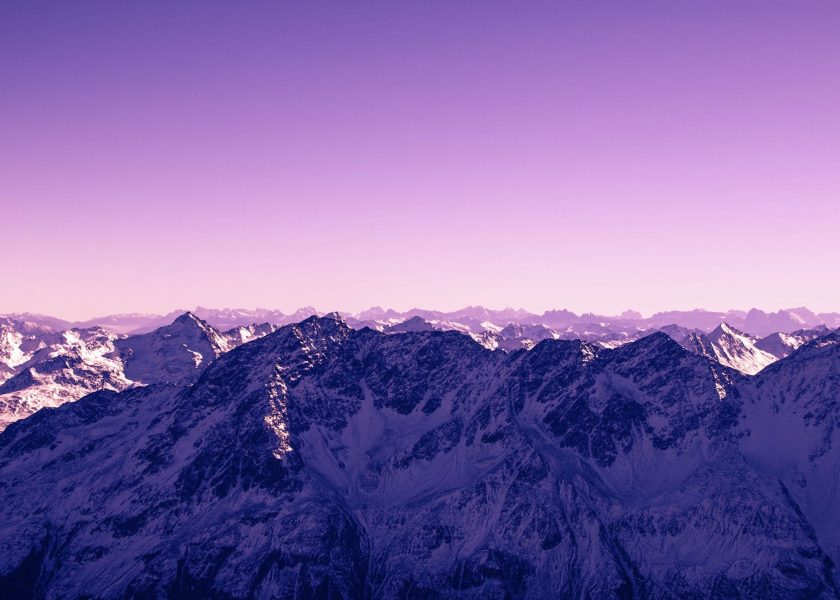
x=730 y=347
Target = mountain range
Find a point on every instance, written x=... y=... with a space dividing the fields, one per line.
x=44 y=367
x=472 y=318
x=317 y=460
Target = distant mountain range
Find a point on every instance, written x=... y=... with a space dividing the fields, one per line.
x=320 y=460
x=473 y=318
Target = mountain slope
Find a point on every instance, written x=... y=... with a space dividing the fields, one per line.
x=781 y=344
x=792 y=413
x=46 y=369
x=61 y=367
x=173 y=353
x=731 y=348
x=19 y=340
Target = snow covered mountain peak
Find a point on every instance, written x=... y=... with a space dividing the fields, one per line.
x=46 y=369
x=173 y=353
x=188 y=317
x=656 y=346
x=189 y=324
x=330 y=326
x=730 y=347
x=724 y=330
x=819 y=346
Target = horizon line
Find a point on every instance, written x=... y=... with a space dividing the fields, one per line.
x=642 y=316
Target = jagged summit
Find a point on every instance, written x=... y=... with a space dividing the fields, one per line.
x=172 y=353
x=188 y=317
x=730 y=347
x=722 y=330
x=329 y=322
x=188 y=323
x=656 y=342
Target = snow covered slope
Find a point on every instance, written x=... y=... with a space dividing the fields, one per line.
x=792 y=412
x=241 y=334
x=58 y=368
x=730 y=347
x=19 y=340
x=781 y=344
x=325 y=462
x=173 y=353
x=46 y=369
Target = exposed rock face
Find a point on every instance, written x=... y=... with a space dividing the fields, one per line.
x=324 y=462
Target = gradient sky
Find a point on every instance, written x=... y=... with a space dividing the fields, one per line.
x=589 y=155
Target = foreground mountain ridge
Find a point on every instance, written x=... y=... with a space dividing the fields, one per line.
x=40 y=367
x=323 y=461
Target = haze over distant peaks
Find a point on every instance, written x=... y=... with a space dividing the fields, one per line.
x=754 y=321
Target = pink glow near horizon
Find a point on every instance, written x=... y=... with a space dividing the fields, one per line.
x=592 y=156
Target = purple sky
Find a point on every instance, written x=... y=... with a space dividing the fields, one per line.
x=588 y=155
